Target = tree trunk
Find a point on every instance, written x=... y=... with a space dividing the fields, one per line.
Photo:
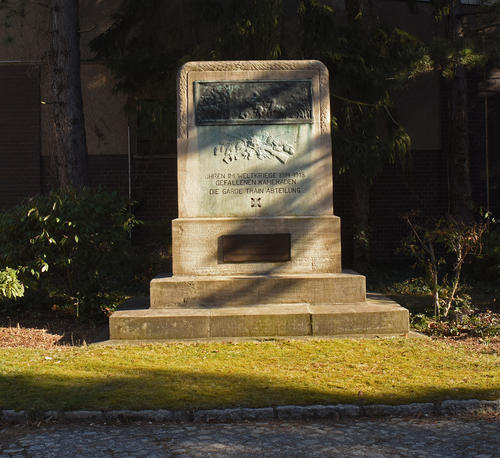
x=361 y=212
x=460 y=195
x=69 y=158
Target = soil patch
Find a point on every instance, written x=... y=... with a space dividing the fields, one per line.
x=46 y=330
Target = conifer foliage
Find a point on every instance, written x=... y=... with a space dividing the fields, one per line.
x=366 y=59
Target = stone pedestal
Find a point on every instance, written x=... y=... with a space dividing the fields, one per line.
x=314 y=244
x=207 y=298
x=374 y=316
x=256 y=248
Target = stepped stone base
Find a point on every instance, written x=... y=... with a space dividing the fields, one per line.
x=244 y=290
x=376 y=315
x=253 y=306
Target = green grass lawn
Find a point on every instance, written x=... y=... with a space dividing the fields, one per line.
x=252 y=374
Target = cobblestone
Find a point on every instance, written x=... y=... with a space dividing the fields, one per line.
x=381 y=437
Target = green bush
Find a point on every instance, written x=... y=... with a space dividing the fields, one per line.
x=475 y=324
x=441 y=248
x=10 y=286
x=71 y=248
x=486 y=266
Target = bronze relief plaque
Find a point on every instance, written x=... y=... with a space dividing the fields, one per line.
x=253 y=102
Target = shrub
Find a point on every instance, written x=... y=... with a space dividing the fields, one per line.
x=10 y=286
x=69 y=247
x=442 y=249
x=474 y=324
x=486 y=266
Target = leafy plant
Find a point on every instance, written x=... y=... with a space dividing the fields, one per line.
x=69 y=247
x=413 y=286
x=370 y=61
x=487 y=264
x=10 y=286
x=442 y=249
x=485 y=325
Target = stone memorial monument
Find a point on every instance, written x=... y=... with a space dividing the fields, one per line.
x=256 y=247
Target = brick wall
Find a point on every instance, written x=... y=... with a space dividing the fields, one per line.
x=421 y=186
x=110 y=171
x=154 y=181
x=478 y=145
x=19 y=133
x=154 y=186
x=424 y=186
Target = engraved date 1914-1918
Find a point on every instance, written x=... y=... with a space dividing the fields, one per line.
x=260 y=147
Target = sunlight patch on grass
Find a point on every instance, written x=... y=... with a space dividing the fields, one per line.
x=251 y=374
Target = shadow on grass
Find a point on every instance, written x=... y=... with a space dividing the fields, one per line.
x=154 y=389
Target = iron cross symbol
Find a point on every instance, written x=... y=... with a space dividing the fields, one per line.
x=255 y=202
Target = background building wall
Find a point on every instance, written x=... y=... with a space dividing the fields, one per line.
x=19 y=133
x=26 y=131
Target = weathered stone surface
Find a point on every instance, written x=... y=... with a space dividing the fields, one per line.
x=275 y=160
x=245 y=290
x=256 y=321
x=377 y=315
x=453 y=408
x=275 y=320
x=271 y=320
x=160 y=415
x=229 y=415
x=13 y=416
x=164 y=415
x=315 y=244
x=381 y=410
x=336 y=412
x=469 y=406
x=82 y=415
x=159 y=324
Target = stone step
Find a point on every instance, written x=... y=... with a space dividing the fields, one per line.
x=244 y=290
x=375 y=316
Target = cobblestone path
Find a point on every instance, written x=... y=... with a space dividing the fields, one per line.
x=427 y=437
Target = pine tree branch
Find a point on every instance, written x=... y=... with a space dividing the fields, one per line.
x=486 y=27
x=90 y=29
x=354 y=102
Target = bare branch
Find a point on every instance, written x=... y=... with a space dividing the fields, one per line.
x=90 y=29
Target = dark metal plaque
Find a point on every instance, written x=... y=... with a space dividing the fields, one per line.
x=255 y=248
x=253 y=102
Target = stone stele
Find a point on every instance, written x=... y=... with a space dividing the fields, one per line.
x=256 y=248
